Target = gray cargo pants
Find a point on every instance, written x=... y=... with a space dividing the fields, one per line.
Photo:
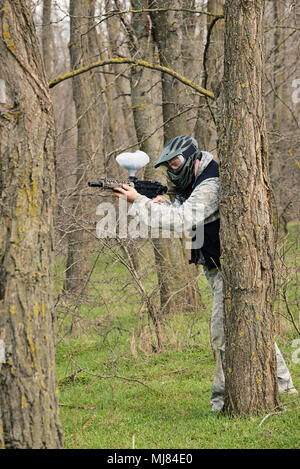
x=218 y=343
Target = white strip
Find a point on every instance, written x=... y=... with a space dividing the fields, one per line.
x=2 y=351
x=2 y=91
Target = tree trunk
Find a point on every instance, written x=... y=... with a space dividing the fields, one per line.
x=205 y=131
x=84 y=95
x=280 y=110
x=47 y=39
x=120 y=122
x=145 y=119
x=192 y=27
x=280 y=116
x=28 y=398
x=167 y=34
x=246 y=217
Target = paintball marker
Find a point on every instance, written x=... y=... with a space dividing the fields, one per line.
x=132 y=162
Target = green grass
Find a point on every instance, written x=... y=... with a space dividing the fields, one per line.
x=165 y=402
x=173 y=412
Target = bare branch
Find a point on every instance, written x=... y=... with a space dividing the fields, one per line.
x=136 y=63
x=109 y=14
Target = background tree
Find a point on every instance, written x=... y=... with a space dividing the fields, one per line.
x=172 y=44
x=212 y=71
x=144 y=86
x=28 y=398
x=86 y=100
x=282 y=49
x=47 y=40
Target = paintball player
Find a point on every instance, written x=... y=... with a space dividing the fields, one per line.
x=195 y=174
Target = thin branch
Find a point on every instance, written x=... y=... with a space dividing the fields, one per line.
x=275 y=26
x=112 y=13
x=72 y=406
x=283 y=102
x=272 y=413
x=110 y=376
x=291 y=316
x=205 y=54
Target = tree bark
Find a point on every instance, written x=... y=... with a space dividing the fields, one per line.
x=246 y=217
x=28 y=398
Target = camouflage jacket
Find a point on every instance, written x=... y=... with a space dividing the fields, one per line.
x=200 y=208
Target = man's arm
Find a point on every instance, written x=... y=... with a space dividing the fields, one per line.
x=202 y=203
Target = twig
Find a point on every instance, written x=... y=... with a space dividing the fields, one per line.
x=292 y=319
x=271 y=413
x=85 y=407
x=96 y=375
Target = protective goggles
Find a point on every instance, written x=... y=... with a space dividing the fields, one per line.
x=177 y=169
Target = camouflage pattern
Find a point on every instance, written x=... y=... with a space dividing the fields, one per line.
x=214 y=278
x=285 y=383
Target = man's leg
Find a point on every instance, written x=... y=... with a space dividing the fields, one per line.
x=217 y=337
x=285 y=382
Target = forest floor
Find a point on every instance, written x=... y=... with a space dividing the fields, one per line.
x=115 y=392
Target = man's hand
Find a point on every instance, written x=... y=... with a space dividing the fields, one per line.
x=159 y=198
x=127 y=192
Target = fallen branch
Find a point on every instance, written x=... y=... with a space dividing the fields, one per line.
x=74 y=406
x=272 y=413
x=96 y=375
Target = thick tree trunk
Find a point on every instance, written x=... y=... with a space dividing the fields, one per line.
x=246 y=217
x=28 y=397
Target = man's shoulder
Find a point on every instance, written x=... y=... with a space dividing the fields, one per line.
x=211 y=171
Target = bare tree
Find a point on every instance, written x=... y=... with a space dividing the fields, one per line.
x=205 y=128
x=47 y=38
x=146 y=115
x=28 y=398
x=167 y=34
x=87 y=114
